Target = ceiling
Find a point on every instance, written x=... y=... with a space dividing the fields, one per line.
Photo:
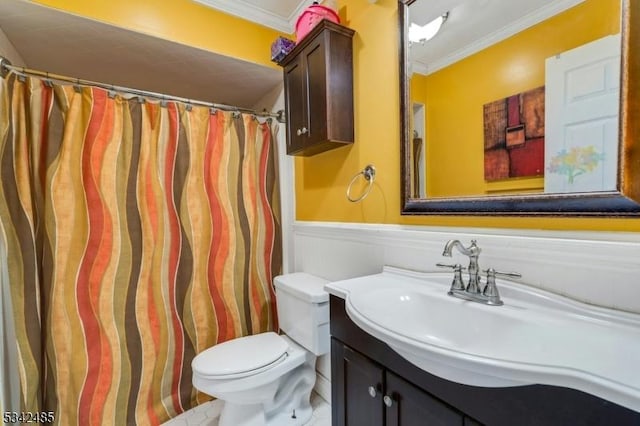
x=280 y=15
x=60 y=43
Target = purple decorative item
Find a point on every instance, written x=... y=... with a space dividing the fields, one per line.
x=281 y=48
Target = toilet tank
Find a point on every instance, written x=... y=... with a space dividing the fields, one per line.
x=303 y=310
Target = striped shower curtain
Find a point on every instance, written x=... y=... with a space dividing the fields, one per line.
x=137 y=235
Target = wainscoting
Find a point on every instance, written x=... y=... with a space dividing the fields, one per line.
x=599 y=268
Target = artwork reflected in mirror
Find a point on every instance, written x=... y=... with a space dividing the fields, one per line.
x=514 y=136
x=514 y=97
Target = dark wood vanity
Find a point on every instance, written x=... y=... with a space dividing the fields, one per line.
x=372 y=385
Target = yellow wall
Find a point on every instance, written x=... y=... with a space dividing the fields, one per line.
x=455 y=98
x=182 y=21
x=321 y=180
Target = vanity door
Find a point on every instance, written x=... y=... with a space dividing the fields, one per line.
x=357 y=385
x=408 y=405
x=364 y=393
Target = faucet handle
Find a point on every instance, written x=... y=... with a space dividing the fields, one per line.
x=491 y=290
x=457 y=284
x=450 y=266
x=501 y=274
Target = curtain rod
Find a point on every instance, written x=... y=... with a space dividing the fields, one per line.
x=6 y=66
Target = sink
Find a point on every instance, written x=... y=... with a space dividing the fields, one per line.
x=535 y=337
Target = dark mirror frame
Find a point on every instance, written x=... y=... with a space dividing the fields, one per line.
x=623 y=202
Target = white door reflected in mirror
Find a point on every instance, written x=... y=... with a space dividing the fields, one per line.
x=581 y=116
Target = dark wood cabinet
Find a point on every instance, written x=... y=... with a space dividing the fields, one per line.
x=408 y=405
x=369 y=395
x=360 y=362
x=318 y=87
x=359 y=399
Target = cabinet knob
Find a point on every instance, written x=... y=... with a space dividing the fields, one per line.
x=302 y=131
x=388 y=401
x=372 y=392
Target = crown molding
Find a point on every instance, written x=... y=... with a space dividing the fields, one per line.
x=257 y=14
x=526 y=21
x=293 y=18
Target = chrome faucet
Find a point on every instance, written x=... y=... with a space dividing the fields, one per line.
x=489 y=295
x=473 y=251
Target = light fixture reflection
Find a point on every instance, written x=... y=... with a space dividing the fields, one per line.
x=421 y=34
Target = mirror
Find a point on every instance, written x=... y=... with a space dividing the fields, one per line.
x=520 y=107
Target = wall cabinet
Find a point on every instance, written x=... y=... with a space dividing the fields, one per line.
x=371 y=385
x=318 y=87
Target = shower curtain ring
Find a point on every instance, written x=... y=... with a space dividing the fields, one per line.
x=369 y=174
x=47 y=81
x=5 y=65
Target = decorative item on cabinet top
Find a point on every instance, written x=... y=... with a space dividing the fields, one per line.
x=312 y=15
x=318 y=87
x=280 y=48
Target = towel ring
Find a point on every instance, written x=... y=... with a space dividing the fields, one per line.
x=369 y=174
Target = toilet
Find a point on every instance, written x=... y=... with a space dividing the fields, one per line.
x=266 y=379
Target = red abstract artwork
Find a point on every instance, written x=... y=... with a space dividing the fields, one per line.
x=514 y=136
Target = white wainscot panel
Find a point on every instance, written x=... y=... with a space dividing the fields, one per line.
x=599 y=268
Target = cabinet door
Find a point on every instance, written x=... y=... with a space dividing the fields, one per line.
x=295 y=94
x=356 y=388
x=316 y=67
x=411 y=406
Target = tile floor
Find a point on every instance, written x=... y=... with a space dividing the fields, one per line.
x=207 y=414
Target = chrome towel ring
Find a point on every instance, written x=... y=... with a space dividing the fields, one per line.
x=369 y=174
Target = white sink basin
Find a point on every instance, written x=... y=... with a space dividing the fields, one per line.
x=535 y=337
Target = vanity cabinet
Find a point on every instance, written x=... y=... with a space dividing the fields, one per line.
x=358 y=398
x=367 y=394
x=365 y=370
x=318 y=87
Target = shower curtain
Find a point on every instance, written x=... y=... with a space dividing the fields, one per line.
x=137 y=235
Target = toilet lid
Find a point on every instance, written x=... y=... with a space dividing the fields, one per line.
x=241 y=355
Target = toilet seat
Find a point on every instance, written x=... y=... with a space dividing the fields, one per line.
x=241 y=357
